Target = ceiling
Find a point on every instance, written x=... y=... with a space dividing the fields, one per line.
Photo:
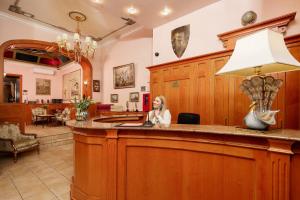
x=103 y=17
x=37 y=56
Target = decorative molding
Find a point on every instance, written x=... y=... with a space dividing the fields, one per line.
x=280 y=176
x=278 y=24
x=280 y=146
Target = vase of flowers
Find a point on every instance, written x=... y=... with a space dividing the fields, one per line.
x=82 y=107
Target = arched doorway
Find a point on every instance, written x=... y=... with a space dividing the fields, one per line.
x=86 y=66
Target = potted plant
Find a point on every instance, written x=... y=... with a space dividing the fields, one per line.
x=82 y=107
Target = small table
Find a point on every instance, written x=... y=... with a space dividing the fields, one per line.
x=45 y=117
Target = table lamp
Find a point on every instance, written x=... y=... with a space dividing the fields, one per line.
x=254 y=56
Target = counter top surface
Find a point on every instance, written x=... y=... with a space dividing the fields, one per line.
x=282 y=134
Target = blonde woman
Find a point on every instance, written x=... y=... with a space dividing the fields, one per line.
x=160 y=113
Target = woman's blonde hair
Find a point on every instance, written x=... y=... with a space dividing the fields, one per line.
x=163 y=104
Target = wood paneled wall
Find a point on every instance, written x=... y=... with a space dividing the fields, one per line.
x=190 y=86
x=13 y=112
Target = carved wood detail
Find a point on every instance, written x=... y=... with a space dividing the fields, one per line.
x=278 y=24
x=165 y=165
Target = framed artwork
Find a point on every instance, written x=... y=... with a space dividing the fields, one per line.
x=124 y=76
x=134 y=97
x=143 y=88
x=43 y=86
x=72 y=85
x=114 y=98
x=96 y=85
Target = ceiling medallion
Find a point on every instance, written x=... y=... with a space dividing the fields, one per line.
x=75 y=15
x=77 y=47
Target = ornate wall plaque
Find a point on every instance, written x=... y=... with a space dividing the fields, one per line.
x=180 y=37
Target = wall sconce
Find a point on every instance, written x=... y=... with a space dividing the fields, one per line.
x=85 y=83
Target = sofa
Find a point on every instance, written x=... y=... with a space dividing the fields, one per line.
x=13 y=141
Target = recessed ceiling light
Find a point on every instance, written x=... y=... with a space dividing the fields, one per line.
x=166 y=11
x=97 y=1
x=132 y=10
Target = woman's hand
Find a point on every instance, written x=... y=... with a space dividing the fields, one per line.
x=156 y=113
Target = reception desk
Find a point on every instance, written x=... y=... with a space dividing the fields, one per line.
x=184 y=162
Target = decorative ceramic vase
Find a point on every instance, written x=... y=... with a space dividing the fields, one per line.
x=260 y=120
x=253 y=122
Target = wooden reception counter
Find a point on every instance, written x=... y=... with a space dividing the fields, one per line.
x=184 y=162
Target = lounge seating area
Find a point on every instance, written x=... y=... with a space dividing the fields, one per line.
x=15 y=142
x=64 y=116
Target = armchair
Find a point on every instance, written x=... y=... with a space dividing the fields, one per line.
x=12 y=140
x=35 y=115
x=63 y=116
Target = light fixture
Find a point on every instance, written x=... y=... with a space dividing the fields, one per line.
x=85 y=82
x=132 y=10
x=166 y=11
x=97 y=1
x=76 y=47
x=255 y=55
x=4 y=74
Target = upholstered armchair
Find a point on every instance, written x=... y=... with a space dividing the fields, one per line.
x=63 y=116
x=12 y=140
x=35 y=115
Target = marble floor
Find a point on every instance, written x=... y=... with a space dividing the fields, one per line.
x=45 y=176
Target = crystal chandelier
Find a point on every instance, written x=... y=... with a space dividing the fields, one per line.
x=77 y=47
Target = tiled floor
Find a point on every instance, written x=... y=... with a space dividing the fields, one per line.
x=45 y=176
x=47 y=130
x=51 y=136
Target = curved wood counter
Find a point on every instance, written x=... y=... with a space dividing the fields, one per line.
x=183 y=162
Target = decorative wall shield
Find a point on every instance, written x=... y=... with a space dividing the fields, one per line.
x=180 y=37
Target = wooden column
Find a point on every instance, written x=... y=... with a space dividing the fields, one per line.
x=112 y=149
x=280 y=152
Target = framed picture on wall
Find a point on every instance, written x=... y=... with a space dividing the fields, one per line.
x=96 y=85
x=72 y=85
x=124 y=76
x=114 y=98
x=43 y=86
x=134 y=97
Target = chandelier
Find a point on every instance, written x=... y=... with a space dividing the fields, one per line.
x=77 y=47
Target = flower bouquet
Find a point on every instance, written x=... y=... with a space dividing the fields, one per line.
x=82 y=107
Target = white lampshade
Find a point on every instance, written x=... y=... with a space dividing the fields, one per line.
x=265 y=49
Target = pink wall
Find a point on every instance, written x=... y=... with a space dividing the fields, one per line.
x=217 y=18
x=29 y=78
x=13 y=28
x=137 y=51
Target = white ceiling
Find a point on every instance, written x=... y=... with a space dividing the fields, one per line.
x=104 y=18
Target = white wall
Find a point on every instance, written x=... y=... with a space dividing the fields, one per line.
x=220 y=17
x=137 y=51
x=29 y=78
x=13 y=28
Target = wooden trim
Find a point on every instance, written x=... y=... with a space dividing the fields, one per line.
x=228 y=38
x=290 y=41
x=20 y=76
x=87 y=68
x=192 y=59
x=160 y=165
